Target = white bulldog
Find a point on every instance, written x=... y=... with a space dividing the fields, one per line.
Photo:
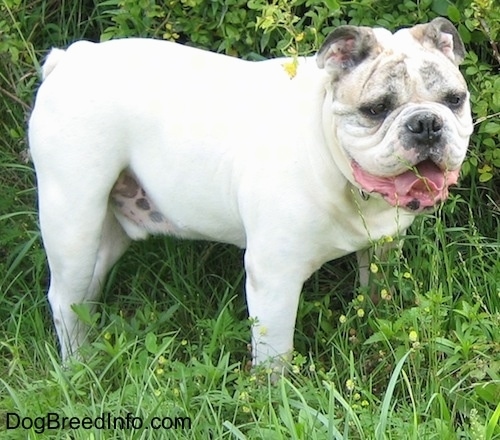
x=135 y=137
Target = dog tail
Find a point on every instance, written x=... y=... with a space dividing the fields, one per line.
x=52 y=61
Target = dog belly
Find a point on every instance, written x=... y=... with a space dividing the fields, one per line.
x=135 y=210
x=140 y=216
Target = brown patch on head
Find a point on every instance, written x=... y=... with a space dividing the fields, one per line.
x=391 y=72
x=385 y=80
x=432 y=76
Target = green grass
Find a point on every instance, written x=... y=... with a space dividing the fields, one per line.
x=170 y=337
x=170 y=341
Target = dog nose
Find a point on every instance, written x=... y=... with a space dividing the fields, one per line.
x=425 y=127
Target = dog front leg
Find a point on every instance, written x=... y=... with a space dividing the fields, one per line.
x=365 y=258
x=273 y=289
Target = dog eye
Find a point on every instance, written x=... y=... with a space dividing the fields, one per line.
x=454 y=100
x=376 y=110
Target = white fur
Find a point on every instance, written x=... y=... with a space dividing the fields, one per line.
x=51 y=62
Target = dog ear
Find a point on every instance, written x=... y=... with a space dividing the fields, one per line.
x=345 y=48
x=441 y=34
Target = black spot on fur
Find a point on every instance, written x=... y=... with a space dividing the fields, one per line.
x=143 y=204
x=156 y=217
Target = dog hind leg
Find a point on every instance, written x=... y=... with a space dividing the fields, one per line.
x=81 y=247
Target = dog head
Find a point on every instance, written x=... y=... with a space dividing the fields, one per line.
x=398 y=109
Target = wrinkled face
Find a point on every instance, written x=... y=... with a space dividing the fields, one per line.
x=402 y=119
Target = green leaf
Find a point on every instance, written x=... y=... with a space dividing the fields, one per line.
x=471 y=70
x=492 y=424
x=151 y=343
x=85 y=313
x=333 y=5
x=440 y=7
x=234 y=430
x=488 y=392
x=264 y=41
x=375 y=338
x=386 y=403
x=485 y=177
x=464 y=33
x=491 y=128
x=454 y=13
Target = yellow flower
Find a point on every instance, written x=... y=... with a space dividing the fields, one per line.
x=299 y=37
x=107 y=336
x=413 y=336
x=162 y=360
x=184 y=342
x=407 y=275
x=360 y=298
x=262 y=330
x=342 y=319
x=290 y=68
x=349 y=384
x=373 y=268
x=360 y=313
x=385 y=295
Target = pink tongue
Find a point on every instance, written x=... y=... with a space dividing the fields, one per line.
x=426 y=177
x=421 y=187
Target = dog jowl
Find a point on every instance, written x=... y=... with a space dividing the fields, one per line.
x=135 y=137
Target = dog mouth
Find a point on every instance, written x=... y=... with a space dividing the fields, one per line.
x=422 y=186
